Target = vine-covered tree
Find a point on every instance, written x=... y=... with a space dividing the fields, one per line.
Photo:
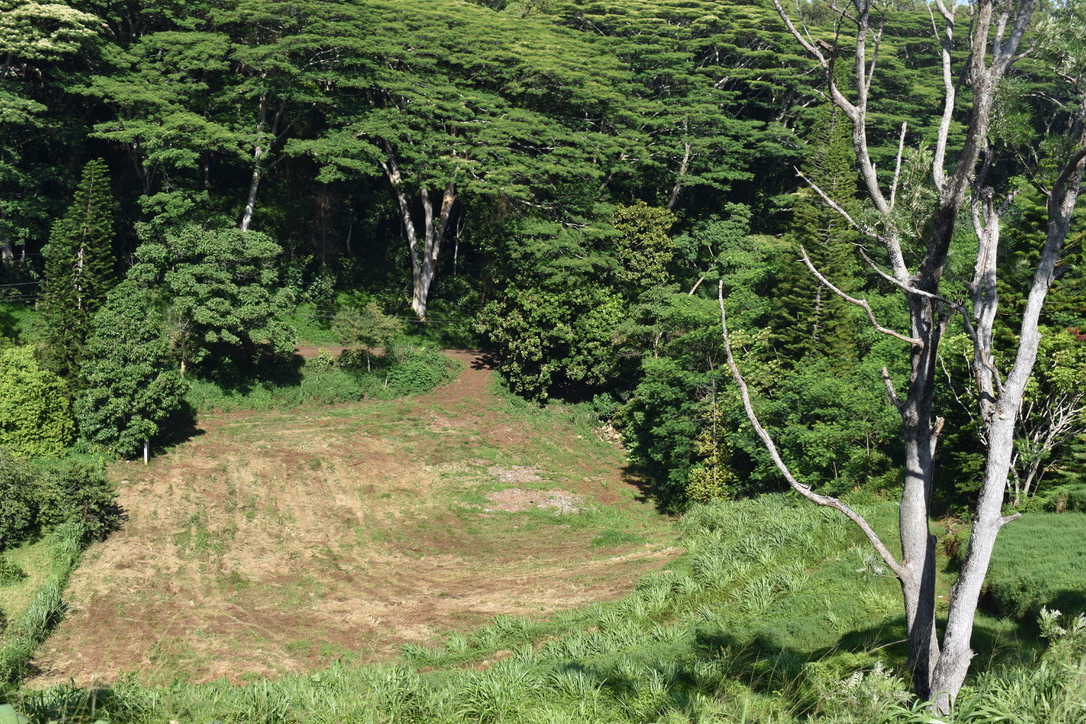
x=35 y=406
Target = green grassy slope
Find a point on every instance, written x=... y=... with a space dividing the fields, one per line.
x=776 y=613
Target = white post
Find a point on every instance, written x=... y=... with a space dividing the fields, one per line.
x=146 y=451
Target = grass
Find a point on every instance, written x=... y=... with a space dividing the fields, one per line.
x=352 y=526
x=322 y=381
x=313 y=325
x=35 y=560
x=30 y=627
x=1034 y=565
x=702 y=642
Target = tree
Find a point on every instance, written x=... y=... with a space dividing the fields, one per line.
x=461 y=101
x=130 y=382
x=939 y=667
x=35 y=38
x=811 y=319
x=78 y=269
x=223 y=291
x=361 y=330
x=643 y=246
x=1054 y=411
x=220 y=89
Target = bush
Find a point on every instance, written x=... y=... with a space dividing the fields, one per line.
x=35 y=410
x=10 y=574
x=1065 y=498
x=17 y=508
x=37 y=497
x=76 y=491
x=419 y=371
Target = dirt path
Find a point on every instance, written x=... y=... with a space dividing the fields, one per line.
x=276 y=542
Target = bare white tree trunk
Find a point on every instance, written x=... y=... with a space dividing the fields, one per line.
x=938 y=671
x=260 y=150
x=424 y=255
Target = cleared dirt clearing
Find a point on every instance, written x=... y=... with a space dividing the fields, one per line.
x=277 y=542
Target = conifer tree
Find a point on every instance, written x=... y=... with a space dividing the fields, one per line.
x=78 y=269
x=811 y=319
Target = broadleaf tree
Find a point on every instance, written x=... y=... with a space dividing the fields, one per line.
x=223 y=291
x=465 y=100
x=130 y=382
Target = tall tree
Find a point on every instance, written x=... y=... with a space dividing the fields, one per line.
x=460 y=101
x=996 y=30
x=78 y=269
x=812 y=319
x=35 y=38
x=222 y=289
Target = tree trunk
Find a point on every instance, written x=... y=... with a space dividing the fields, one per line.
x=258 y=164
x=424 y=257
x=938 y=672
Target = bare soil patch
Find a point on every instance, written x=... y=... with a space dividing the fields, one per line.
x=279 y=541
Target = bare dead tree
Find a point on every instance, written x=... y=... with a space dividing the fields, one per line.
x=996 y=28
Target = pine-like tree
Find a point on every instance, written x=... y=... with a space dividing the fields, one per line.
x=78 y=269
x=811 y=319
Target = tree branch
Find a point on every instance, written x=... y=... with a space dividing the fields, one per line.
x=862 y=303
x=767 y=440
x=897 y=167
x=891 y=391
x=869 y=233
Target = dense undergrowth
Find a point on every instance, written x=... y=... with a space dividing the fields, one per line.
x=776 y=613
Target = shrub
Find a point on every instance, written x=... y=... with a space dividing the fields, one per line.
x=1033 y=566
x=419 y=371
x=76 y=491
x=1065 y=498
x=35 y=410
x=17 y=509
x=35 y=497
x=10 y=574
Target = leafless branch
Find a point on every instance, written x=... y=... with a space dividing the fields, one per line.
x=949 y=91
x=862 y=303
x=890 y=389
x=870 y=233
x=767 y=440
x=897 y=168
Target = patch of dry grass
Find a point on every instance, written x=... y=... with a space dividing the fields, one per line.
x=277 y=542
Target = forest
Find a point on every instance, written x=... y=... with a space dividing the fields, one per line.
x=814 y=251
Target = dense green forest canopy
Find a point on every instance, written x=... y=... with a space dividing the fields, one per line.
x=564 y=181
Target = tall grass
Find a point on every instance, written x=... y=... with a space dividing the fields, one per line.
x=23 y=635
x=1034 y=565
x=741 y=639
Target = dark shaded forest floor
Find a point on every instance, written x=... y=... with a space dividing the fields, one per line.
x=277 y=542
